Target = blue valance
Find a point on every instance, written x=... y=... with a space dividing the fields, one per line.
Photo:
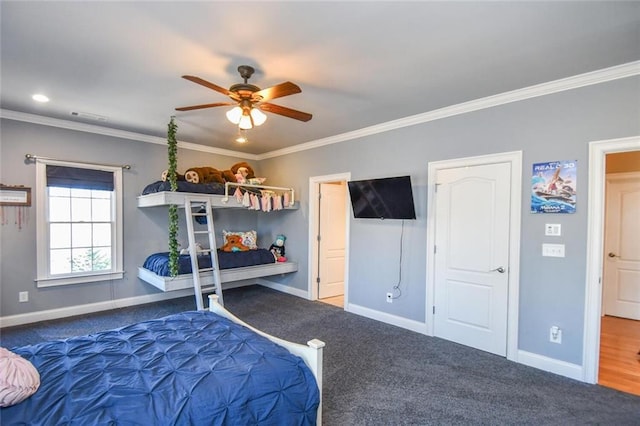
x=74 y=177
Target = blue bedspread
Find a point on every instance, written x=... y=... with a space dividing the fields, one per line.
x=184 y=186
x=159 y=262
x=192 y=368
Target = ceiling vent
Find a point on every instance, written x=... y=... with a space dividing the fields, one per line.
x=89 y=116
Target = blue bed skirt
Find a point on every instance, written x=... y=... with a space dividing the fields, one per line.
x=192 y=368
x=158 y=263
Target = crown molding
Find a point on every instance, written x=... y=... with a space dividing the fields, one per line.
x=122 y=134
x=581 y=80
x=617 y=72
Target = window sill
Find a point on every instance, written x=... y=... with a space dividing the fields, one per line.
x=53 y=282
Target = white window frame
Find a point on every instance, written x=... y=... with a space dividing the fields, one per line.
x=44 y=278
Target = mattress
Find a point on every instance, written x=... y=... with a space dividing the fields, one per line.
x=184 y=369
x=184 y=186
x=158 y=263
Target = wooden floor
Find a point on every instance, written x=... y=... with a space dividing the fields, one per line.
x=619 y=358
x=335 y=301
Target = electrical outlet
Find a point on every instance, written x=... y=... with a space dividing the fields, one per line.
x=553 y=250
x=555 y=334
x=389 y=297
x=23 y=296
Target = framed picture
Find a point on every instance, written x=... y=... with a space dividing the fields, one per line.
x=15 y=196
x=553 y=187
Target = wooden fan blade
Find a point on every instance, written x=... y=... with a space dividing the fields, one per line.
x=217 y=104
x=287 y=112
x=279 y=90
x=205 y=83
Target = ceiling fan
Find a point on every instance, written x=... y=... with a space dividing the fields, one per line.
x=250 y=100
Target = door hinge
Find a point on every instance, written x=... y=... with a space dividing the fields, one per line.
x=318 y=238
x=434 y=249
x=434 y=309
x=318 y=280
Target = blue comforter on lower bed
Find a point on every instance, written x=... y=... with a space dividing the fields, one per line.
x=192 y=368
x=159 y=262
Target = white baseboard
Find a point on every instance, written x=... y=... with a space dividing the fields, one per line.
x=562 y=368
x=566 y=369
x=283 y=288
x=417 y=326
x=51 y=314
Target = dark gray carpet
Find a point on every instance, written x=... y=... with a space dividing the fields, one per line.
x=378 y=374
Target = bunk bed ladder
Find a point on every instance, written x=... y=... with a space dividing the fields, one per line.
x=193 y=207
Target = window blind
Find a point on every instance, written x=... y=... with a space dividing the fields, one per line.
x=75 y=177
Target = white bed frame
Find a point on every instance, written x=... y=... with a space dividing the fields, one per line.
x=166 y=198
x=310 y=354
x=226 y=275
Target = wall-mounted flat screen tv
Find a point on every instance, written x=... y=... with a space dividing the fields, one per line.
x=384 y=198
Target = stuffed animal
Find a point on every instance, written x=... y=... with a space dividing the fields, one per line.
x=203 y=175
x=234 y=243
x=277 y=248
x=165 y=176
x=238 y=171
x=199 y=249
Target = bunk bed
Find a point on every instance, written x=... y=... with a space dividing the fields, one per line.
x=195 y=367
x=228 y=195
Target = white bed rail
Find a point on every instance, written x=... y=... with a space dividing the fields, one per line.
x=310 y=354
x=246 y=185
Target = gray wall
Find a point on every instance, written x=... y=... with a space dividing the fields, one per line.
x=554 y=127
x=145 y=230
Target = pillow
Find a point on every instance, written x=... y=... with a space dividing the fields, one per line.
x=249 y=238
x=18 y=378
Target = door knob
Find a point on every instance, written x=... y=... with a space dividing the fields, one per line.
x=612 y=255
x=499 y=269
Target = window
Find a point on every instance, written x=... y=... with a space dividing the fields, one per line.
x=79 y=223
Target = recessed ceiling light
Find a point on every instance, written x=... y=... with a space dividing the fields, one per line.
x=38 y=97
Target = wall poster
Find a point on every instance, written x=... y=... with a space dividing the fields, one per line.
x=553 y=187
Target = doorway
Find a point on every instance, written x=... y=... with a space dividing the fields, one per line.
x=598 y=249
x=619 y=366
x=473 y=255
x=328 y=239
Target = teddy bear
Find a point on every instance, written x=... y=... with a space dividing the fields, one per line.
x=203 y=174
x=234 y=243
x=277 y=248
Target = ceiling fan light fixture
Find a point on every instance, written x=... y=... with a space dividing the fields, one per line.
x=242 y=136
x=234 y=115
x=258 y=116
x=245 y=122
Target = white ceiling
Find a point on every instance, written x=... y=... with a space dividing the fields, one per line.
x=358 y=63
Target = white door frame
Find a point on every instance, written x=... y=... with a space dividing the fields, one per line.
x=515 y=159
x=314 y=183
x=598 y=151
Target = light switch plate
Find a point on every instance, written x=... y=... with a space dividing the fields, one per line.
x=552 y=229
x=553 y=250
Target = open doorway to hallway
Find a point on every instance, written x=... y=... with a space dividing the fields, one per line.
x=328 y=231
x=619 y=351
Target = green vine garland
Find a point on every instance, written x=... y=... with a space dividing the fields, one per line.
x=172 y=174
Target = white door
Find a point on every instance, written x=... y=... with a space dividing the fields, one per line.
x=331 y=239
x=472 y=256
x=622 y=248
